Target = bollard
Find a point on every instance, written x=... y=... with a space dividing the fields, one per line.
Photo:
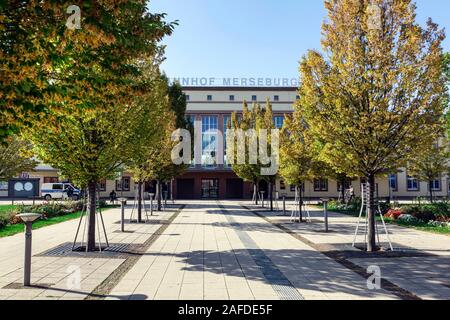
x=28 y=219
x=325 y=212
x=151 y=203
x=284 y=205
x=123 y=201
x=262 y=198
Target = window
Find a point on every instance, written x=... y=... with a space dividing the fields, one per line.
x=393 y=184
x=231 y=97
x=413 y=184
x=254 y=98
x=102 y=185
x=124 y=184
x=282 y=185
x=188 y=97
x=57 y=187
x=51 y=179
x=320 y=185
x=278 y=122
x=292 y=187
x=190 y=119
x=347 y=185
x=3 y=185
x=297 y=97
x=276 y=98
x=209 y=97
x=209 y=141
x=436 y=185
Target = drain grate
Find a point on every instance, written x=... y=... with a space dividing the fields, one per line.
x=115 y=250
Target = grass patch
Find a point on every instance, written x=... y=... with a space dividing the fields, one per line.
x=11 y=230
x=422 y=226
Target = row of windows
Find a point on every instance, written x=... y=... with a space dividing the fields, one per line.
x=232 y=97
x=413 y=184
x=321 y=185
x=121 y=185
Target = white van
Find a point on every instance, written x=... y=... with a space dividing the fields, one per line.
x=59 y=191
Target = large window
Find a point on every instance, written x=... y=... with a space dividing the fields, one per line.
x=320 y=185
x=393 y=182
x=278 y=122
x=413 y=184
x=226 y=122
x=209 y=141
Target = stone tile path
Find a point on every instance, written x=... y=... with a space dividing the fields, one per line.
x=222 y=251
x=421 y=267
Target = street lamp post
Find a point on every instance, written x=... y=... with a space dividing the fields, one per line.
x=28 y=219
x=325 y=212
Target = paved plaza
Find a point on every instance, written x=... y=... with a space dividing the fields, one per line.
x=225 y=250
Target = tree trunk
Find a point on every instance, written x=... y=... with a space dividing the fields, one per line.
x=343 y=191
x=300 y=201
x=139 y=200
x=271 y=195
x=430 y=186
x=371 y=211
x=159 y=196
x=91 y=209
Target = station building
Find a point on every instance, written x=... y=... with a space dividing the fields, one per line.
x=210 y=109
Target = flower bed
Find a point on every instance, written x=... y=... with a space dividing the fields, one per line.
x=48 y=210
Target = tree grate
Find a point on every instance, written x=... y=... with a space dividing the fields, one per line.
x=114 y=251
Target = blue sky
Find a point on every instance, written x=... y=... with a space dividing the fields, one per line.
x=253 y=38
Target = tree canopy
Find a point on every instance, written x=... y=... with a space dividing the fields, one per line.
x=375 y=96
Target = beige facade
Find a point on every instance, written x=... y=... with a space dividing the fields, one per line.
x=218 y=103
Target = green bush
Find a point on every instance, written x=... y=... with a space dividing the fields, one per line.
x=48 y=210
x=429 y=212
x=4 y=220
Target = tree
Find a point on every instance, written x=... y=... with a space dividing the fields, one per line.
x=49 y=66
x=376 y=95
x=250 y=168
x=155 y=162
x=154 y=109
x=299 y=155
x=430 y=164
x=15 y=158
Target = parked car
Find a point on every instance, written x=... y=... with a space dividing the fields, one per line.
x=60 y=191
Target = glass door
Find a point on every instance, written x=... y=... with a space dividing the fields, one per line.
x=210 y=188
